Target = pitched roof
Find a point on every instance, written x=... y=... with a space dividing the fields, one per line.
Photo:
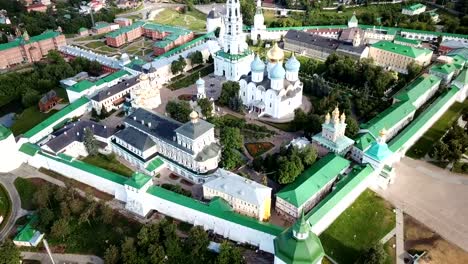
x=378 y=151
x=417 y=87
x=19 y=41
x=406 y=40
x=239 y=187
x=463 y=77
x=193 y=130
x=115 y=89
x=313 y=179
x=4 y=132
x=401 y=49
x=414 y=7
x=363 y=141
x=81 y=86
x=154 y=164
x=138 y=180
x=135 y=138
x=444 y=68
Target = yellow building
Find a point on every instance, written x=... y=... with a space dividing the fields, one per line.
x=245 y=196
x=397 y=57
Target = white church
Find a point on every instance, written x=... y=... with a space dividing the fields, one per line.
x=272 y=90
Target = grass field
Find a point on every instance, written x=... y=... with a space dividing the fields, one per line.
x=5 y=205
x=424 y=144
x=109 y=163
x=95 y=44
x=193 y=20
x=391 y=259
x=26 y=190
x=28 y=119
x=359 y=227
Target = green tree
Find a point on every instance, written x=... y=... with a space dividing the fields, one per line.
x=156 y=253
x=4 y=38
x=206 y=107
x=179 y=111
x=352 y=127
x=90 y=143
x=111 y=255
x=230 y=159
x=248 y=11
x=129 y=252
x=231 y=138
x=289 y=169
x=46 y=216
x=42 y=196
x=413 y=70
x=9 y=253
x=30 y=97
x=229 y=254
x=374 y=255
x=197 y=244
x=178 y=65
x=230 y=89
x=196 y=57
x=308 y=155
x=107 y=214
x=60 y=229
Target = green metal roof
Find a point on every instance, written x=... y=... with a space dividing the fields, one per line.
x=463 y=52
x=363 y=141
x=81 y=86
x=56 y=117
x=82 y=29
x=234 y=57
x=217 y=208
x=19 y=41
x=4 y=132
x=417 y=88
x=27 y=232
x=414 y=7
x=154 y=164
x=406 y=40
x=396 y=143
x=298 y=251
x=100 y=24
x=29 y=148
x=401 y=49
x=114 y=76
x=443 y=68
x=313 y=179
x=138 y=180
x=186 y=45
x=378 y=151
x=458 y=61
x=353 y=19
x=463 y=77
x=97 y=171
x=388 y=118
x=126 y=29
x=342 y=189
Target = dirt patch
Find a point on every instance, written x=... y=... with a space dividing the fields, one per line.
x=185 y=97
x=420 y=238
x=37 y=181
x=185 y=182
x=174 y=177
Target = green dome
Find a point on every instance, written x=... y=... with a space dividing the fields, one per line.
x=4 y=132
x=299 y=245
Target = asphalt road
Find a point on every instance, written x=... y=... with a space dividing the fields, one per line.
x=7 y=179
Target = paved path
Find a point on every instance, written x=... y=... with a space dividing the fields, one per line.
x=62 y=258
x=388 y=236
x=7 y=179
x=400 y=237
x=433 y=196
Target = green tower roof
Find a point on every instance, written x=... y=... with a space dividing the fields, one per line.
x=4 y=132
x=353 y=19
x=298 y=244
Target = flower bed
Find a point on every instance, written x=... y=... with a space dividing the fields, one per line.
x=258 y=148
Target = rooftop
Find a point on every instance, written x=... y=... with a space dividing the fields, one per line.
x=20 y=41
x=406 y=40
x=414 y=7
x=138 y=180
x=115 y=89
x=401 y=49
x=313 y=179
x=135 y=138
x=4 y=132
x=444 y=68
x=417 y=87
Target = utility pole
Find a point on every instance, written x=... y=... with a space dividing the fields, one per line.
x=91 y=13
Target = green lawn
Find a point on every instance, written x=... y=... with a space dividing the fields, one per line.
x=192 y=78
x=391 y=259
x=424 y=144
x=193 y=20
x=359 y=227
x=109 y=163
x=26 y=190
x=28 y=119
x=287 y=127
x=5 y=205
x=95 y=44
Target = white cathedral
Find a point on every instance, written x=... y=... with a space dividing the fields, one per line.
x=272 y=90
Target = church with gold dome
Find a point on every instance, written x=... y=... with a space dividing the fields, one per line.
x=271 y=89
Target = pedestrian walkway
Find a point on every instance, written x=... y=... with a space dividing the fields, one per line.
x=62 y=258
x=388 y=236
x=400 y=237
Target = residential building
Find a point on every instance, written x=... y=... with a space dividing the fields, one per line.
x=274 y=91
x=397 y=57
x=407 y=42
x=298 y=244
x=70 y=138
x=310 y=187
x=419 y=90
x=413 y=10
x=48 y=101
x=332 y=138
x=123 y=21
x=103 y=27
x=189 y=149
x=27 y=49
x=245 y=196
x=234 y=59
x=445 y=71
x=310 y=45
x=449 y=45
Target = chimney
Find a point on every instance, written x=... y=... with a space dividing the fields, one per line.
x=149 y=124
x=143 y=122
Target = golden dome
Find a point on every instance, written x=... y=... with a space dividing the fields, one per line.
x=275 y=53
x=193 y=115
x=336 y=113
x=343 y=117
x=143 y=77
x=383 y=132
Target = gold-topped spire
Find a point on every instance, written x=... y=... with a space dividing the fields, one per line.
x=327 y=118
x=343 y=117
x=194 y=116
x=383 y=132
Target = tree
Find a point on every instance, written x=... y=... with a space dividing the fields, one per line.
x=308 y=155
x=4 y=38
x=46 y=216
x=231 y=138
x=30 y=97
x=111 y=256
x=352 y=127
x=196 y=57
x=413 y=70
x=90 y=143
x=206 y=107
x=95 y=68
x=230 y=89
x=248 y=11
x=9 y=253
x=88 y=213
x=197 y=244
x=179 y=111
x=42 y=196
x=374 y=255
x=107 y=214
x=129 y=252
x=178 y=65
x=300 y=119
x=156 y=253
x=230 y=159
x=289 y=169
x=229 y=254
x=60 y=229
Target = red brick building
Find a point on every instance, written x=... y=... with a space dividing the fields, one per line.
x=37 y=7
x=26 y=50
x=48 y=101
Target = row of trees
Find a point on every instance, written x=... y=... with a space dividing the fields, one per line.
x=284 y=166
x=452 y=146
x=28 y=86
x=230 y=96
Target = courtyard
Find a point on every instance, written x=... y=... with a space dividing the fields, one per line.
x=193 y=20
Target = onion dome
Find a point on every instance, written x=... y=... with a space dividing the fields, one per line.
x=293 y=65
x=383 y=132
x=343 y=117
x=275 y=53
x=257 y=65
x=277 y=72
x=200 y=81
x=213 y=14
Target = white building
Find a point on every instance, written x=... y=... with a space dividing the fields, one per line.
x=213 y=20
x=9 y=154
x=272 y=90
x=332 y=138
x=258 y=28
x=234 y=59
x=245 y=196
x=190 y=149
x=413 y=10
